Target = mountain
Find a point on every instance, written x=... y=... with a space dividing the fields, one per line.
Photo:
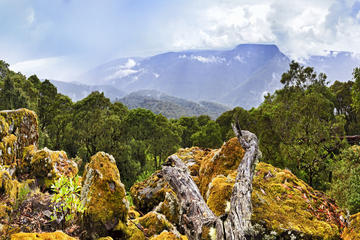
x=171 y=107
x=236 y=77
x=242 y=73
x=78 y=91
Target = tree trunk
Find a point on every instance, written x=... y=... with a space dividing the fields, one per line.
x=198 y=220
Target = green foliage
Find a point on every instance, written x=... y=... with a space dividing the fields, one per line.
x=209 y=136
x=355 y=93
x=66 y=199
x=345 y=188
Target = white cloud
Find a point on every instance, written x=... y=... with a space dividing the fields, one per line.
x=123 y=70
x=299 y=28
x=55 y=68
x=211 y=59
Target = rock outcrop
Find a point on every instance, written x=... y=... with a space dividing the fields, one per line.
x=104 y=197
x=283 y=205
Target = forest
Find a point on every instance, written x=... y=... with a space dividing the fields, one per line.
x=301 y=127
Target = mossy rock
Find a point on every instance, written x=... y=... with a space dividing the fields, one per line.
x=133 y=232
x=154 y=223
x=47 y=165
x=23 y=124
x=220 y=162
x=352 y=231
x=8 y=148
x=42 y=236
x=103 y=195
x=283 y=202
x=148 y=194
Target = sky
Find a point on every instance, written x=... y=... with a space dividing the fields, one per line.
x=60 y=39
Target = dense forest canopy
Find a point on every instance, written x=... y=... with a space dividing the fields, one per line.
x=300 y=127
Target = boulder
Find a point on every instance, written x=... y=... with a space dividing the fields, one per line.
x=21 y=123
x=41 y=236
x=103 y=196
x=148 y=194
x=47 y=166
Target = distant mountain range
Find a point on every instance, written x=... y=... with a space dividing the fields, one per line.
x=171 y=107
x=236 y=77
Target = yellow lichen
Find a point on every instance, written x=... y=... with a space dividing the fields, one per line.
x=41 y=236
x=154 y=223
x=165 y=235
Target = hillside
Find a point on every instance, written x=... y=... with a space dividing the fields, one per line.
x=171 y=107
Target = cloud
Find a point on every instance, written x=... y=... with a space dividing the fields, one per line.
x=46 y=68
x=299 y=28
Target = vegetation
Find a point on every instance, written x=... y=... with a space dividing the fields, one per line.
x=66 y=199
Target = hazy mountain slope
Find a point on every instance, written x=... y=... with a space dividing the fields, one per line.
x=169 y=106
x=236 y=77
x=193 y=75
x=77 y=91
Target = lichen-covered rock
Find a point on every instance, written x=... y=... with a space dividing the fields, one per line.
x=148 y=194
x=103 y=195
x=352 y=231
x=41 y=236
x=21 y=123
x=283 y=202
x=154 y=223
x=47 y=165
x=134 y=233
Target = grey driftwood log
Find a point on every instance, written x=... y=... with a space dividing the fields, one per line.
x=196 y=217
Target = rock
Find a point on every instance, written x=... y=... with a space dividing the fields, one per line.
x=41 y=236
x=134 y=233
x=21 y=123
x=47 y=165
x=352 y=231
x=148 y=194
x=103 y=195
x=154 y=223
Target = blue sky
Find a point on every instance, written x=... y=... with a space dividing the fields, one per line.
x=60 y=39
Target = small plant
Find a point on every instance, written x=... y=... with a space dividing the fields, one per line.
x=66 y=199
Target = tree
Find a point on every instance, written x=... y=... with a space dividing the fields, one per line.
x=209 y=136
x=355 y=93
x=11 y=97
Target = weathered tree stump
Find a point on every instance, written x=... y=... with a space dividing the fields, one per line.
x=198 y=220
